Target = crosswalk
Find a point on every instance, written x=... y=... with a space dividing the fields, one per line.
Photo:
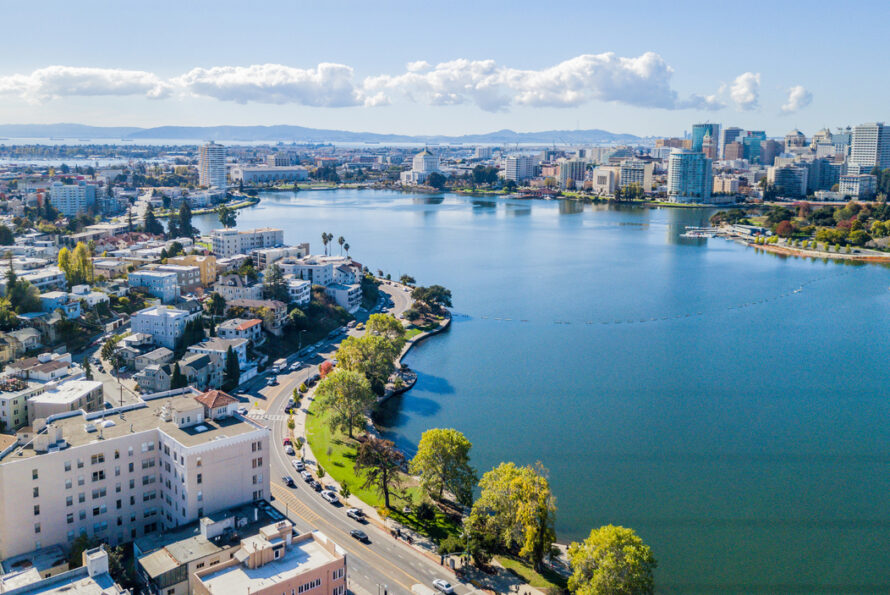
x=266 y=417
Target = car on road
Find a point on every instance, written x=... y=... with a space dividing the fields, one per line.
x=286 y=442
x=356 y=514
x=352 y=324
x=315 y=378
x=271 y=381
x=444 y=586
x=242 y=410
x=307 y=477
x=298 y=465
x=315 y=485
x=289 y=450
x=288 y=481
x=296 y=366
x=359 y=534
x=330 y=496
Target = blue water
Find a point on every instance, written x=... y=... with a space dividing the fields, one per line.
x=729 y=405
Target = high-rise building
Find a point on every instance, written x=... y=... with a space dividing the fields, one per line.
x=689 y=177
x=729 y=135
x=212 y=165
x=519 y=168
x=229 y=242
x=72 y=199
x=733 y=150
x=795 y=140
x=709 y=146
x=769 y=150
x=482 y=153
x=571 y=170
x=699 y=131
x=636 y=171
x=751 y=145
x=871 y=145
x=789 y=180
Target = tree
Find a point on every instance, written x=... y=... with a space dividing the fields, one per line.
x=216 y=304
x=6 y=236
x=227 y=216
x=443 y=463
x=381 y=462
x=407 y=280
x=434 y=296
x=784 y=229
x=87 y=370
x=346 y=247
x=297 y=319
x=341 y=240
x=274 y=285
x=232 y=371
x=177 y=378
x=436 y=180
x=185 y=221
x=65 y=262
x=325 y=368
x=370 y=355
x=151 y=223
x=516 y=507
x=612 y=560
x=388 y=327
x=347 y=397
x=326 y=239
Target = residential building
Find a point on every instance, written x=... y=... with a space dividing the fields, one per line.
x=265 y=173
x=698 y=135
x=300 y=291
x=116 y=475
x=346 y=296
x=274 y=561
x=241 y=328
x=519 y=168
x=201 y=370
x=71 y=395
x=60 y=300
x=44 y=279
x=236 y=287
x=220 y=347
x=573 y=170
x=636 y=172
x=229 y=242
x=789 y=180
x=206 y=266
x=109 y=268
x=91 y=298
x=163 y=323
x=605 y=180
x=266 y=257
x=277 y=312
x=482 y=153
x=689 y=177
x=187 y=277
x=72 y=199
x=871 y=146
x=212 y=165
x=28 y=337
x=157 y=357
x=161 y=284
x=726 y=184
x=91 y=578
x=862 y=186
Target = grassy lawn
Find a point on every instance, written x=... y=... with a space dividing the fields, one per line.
x=412 y=332
x=336 y=452
x=529 y=575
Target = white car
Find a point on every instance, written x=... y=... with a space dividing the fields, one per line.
x=443 y=585
x=298 y=465
x=242 y=410
x=330 y=496
x=355 y=514
x=289 y=450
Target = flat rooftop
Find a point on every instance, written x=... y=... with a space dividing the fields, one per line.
x=66 y=392
x=299 y=558
x=115 y=425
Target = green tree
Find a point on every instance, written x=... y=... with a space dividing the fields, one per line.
x=21 y=296
x=407 y=280
x=6 y=236
x=82 y=263
x=371 y=355
x=434 y=296
x=274 y=285
x=443 y=463
x=216 y=304
x=186 y=229
x=177 y=378
x=87 y=370
x=151 y=224
x=232 y=371
x=347 y=397
x=436 y=180
x=227 y=216
x=341 y=240
x=297 y=319
x=612 y=561
x=346 y=247
x=388 y=327
x=381 y=463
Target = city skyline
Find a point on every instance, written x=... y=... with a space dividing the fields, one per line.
x=628 y=71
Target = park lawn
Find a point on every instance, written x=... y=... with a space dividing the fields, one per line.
x=339 y=464
x=412 y=332
x=522 y=568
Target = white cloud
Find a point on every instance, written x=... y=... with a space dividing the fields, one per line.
x=327 y=85
x=643 y=81
x=745 y=91
x=798 y=98
x=65 y=81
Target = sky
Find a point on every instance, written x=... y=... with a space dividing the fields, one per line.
x=645 y=68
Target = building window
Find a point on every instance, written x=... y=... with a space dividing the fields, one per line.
x=70 y=518
x=69 y=501
x=33 y=473
x=200 y=478
x=67 y=465
x=37 y=527
x=36 y=509
x=36 y=492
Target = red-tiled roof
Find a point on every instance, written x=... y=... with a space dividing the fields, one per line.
x=248 y=323
x=215 y=398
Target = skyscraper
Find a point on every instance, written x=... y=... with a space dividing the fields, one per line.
x=699 y=131
x=689 y=177
x=729 y=135
x=871 y=145
x=751 y=145
x=212 y=165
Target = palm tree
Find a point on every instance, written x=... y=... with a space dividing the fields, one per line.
x=346 y=247
x=341 y=240
x=324 y=240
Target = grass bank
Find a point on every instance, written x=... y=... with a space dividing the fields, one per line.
x=548 y=580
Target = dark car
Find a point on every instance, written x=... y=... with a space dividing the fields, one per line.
x=360 y=535
x=288 y=481
x=315 y=485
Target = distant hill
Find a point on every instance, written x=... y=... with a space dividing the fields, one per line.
x=302 y=134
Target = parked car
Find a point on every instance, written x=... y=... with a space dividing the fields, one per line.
x=359 y=534
x=443 y=586
x=315 y=485
x=356 y=514
x=298 y=465
x=288 y=481
x=315 y=378
x=307 y=477
x=271 y=381
x=242 y=410
x=286 y=442
x=330 y=496
x=289 y=450
x=296 y=366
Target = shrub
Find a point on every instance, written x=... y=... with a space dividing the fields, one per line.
x=344 y=490
x=450 y=545
x=320 y=472
x=303 y=388
x=426 y=511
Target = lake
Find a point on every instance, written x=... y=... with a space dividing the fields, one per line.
x=729 y=405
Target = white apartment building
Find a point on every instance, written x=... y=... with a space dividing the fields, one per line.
x=241 y=328
x=635 y=171
x=266 y=257
x=265 y=173
x=858 y=186
x=346 y=296
x=212 y=165
x=871 y=146
x=229 y=242
x=236 y=287
x=300 y=291
x=164 y=324
x=689 y=177
x=161 y=284
x=605 y=180
x=72 y=199
x=519 y=168
x=72 y=395
x=121 y=474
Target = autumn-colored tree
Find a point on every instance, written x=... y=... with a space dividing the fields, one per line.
x=784 y=229
x=325 y=368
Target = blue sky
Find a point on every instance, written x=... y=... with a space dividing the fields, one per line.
x=456 y=67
